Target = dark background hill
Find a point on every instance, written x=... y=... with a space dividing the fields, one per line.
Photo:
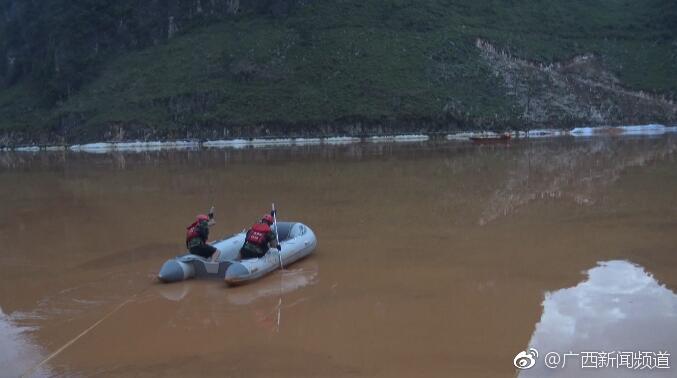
x=80 y=70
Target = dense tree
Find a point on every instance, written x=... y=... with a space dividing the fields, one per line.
x=59 y=44
x=305 y=61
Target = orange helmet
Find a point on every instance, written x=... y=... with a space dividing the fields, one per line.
x=267 y=219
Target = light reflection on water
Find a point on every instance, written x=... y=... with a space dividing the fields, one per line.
x=620 y=307
x=18 y=352
x=275 y=285
x=578 y=174
x=249 y=299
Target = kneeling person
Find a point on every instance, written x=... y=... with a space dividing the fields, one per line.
x=259 y=239
x=197 y=235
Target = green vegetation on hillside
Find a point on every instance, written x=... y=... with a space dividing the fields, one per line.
x=305 y=62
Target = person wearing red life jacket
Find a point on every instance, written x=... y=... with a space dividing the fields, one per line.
x=259 y=239
x=197 y=234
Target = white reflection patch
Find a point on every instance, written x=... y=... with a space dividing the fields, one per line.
x=620 y=307
x=17 y=352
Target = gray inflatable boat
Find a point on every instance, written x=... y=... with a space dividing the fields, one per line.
x=297 y=241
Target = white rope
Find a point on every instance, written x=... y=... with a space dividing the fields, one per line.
x=76 y=338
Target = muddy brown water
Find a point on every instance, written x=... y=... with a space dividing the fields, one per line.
x=434 y=260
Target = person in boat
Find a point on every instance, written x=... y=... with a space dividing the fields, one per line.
x=197 y=235
x=259 y=239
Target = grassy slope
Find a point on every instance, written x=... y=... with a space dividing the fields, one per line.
x=353 y=59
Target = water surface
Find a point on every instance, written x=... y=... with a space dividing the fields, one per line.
x=434 y=259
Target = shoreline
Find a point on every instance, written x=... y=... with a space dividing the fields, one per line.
x=238 y=143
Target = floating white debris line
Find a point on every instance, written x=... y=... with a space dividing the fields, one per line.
x=544 y=133
x=232 y=143
x=399 y=138
x=28 y=149
x=411 y=138
x=100 y=148
x=380 y=139
x=460 y=136
x=155 y=145
x=139 y=146
x=341 y=140
x=648 y=130
x=271 y=142
x=240 y=143
x=180 y=145
x=105 y=147
x=539 y=133
x=643 y=130
x=92 y=148
x=472 y=134
x=307 y=141
x=582 y=131
x=260 y=142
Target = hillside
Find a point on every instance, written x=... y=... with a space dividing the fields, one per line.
x=87 y=70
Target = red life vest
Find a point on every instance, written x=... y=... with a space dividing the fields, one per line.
x=257 y=235
x=193 y=237
x=191 y=233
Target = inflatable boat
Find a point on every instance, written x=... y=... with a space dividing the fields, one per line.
x=297 y=241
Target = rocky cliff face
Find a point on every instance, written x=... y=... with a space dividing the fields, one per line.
x=579 y=90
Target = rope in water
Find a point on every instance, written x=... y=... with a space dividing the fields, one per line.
x=76 y=338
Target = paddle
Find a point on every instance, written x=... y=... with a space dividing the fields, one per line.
x=212 y=221
x=277 y=239
x=217 y=255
